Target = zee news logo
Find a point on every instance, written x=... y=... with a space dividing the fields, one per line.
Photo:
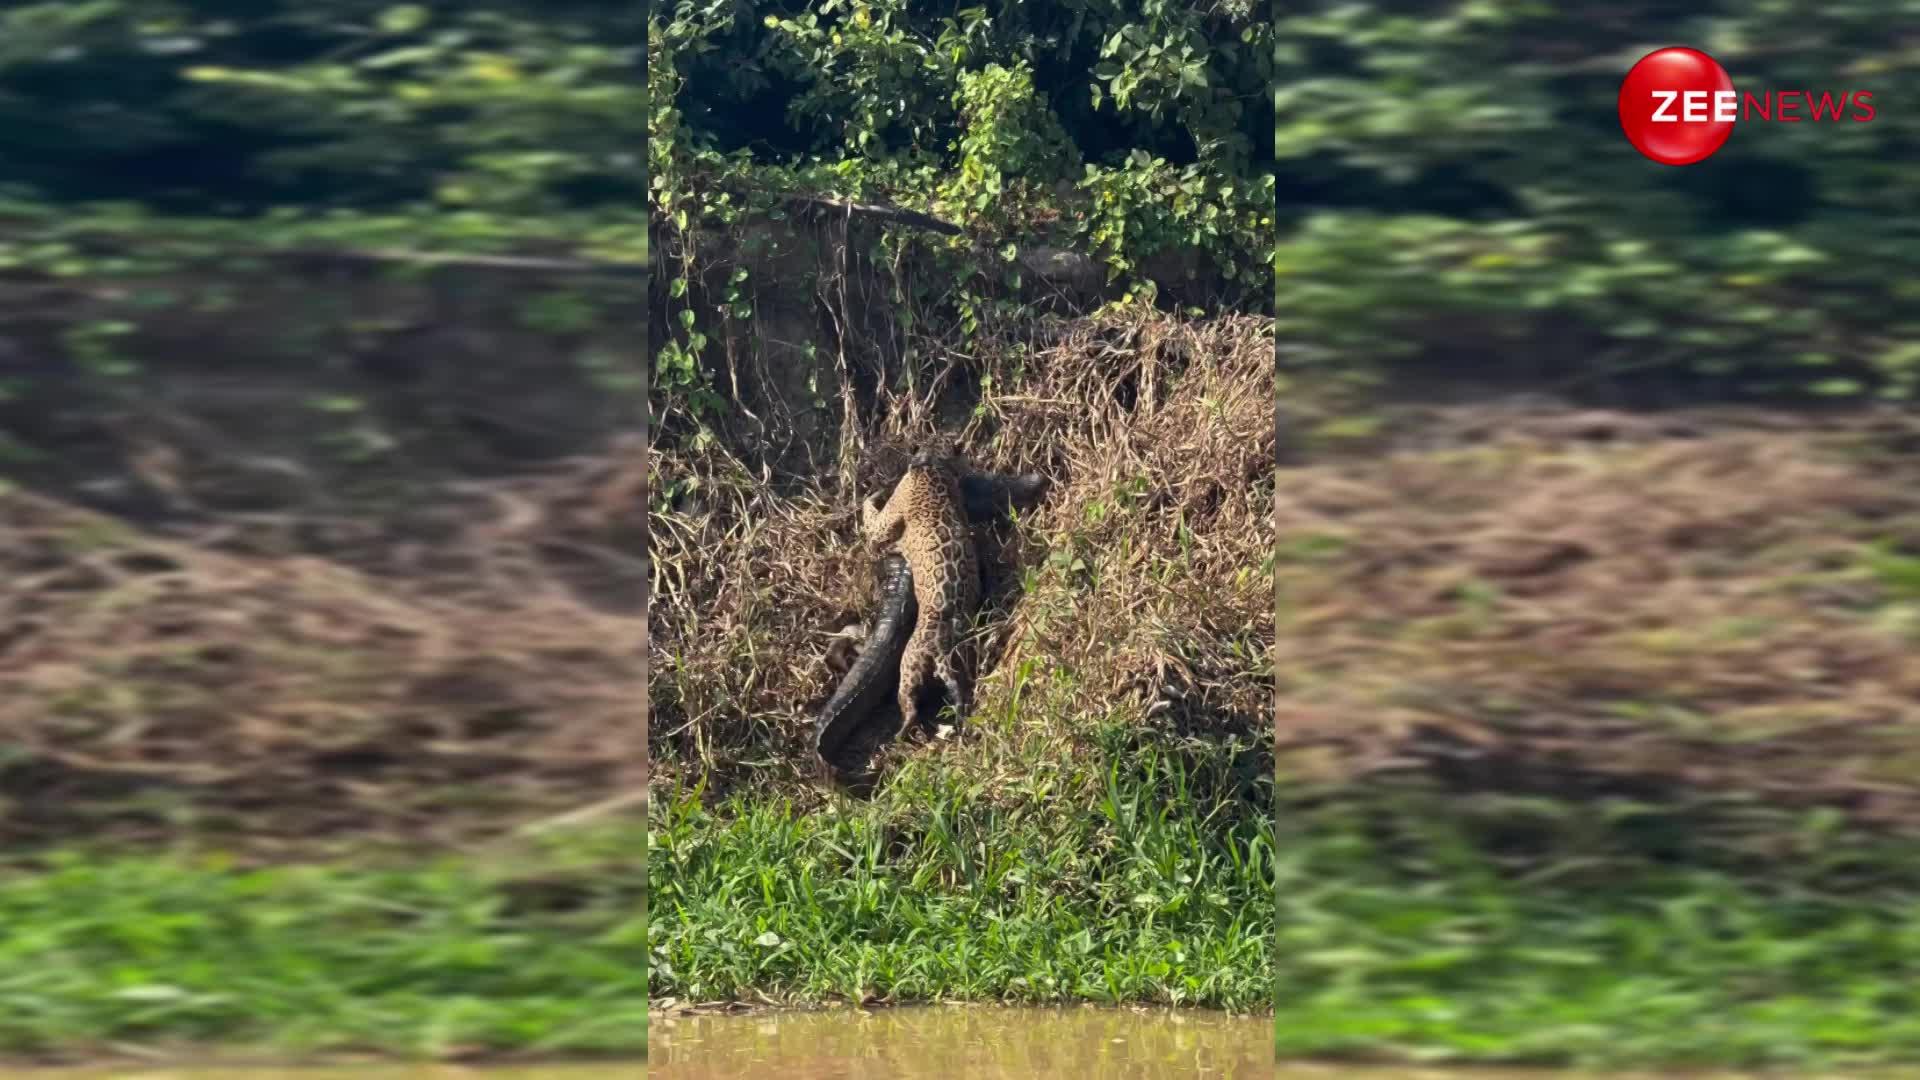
x=1678 y=106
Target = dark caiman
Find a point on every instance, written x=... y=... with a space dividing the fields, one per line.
x=870 y=683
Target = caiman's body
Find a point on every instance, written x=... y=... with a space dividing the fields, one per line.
x=874 y=677
x=876 y=671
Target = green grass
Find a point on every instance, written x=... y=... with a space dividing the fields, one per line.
x=1136 y=873
x=1412 y=933
x=537 y=952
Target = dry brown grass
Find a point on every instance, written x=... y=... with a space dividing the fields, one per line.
x=1146 y=592
x=1711 y=604
x=418 y=686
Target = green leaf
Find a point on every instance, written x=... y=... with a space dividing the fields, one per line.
x=403 y=18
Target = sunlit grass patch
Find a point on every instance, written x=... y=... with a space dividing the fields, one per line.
x=537 y=951
x=1412 y=927
x=1129 y=874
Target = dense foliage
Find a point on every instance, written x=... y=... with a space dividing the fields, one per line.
x=1146 y=123
x=1454 y=187
x=166 y=143
x=210 y=105
x=1127 y=131
x=497 y=123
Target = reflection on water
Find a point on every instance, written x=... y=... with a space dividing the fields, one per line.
x=996 y=1043
x=919 y=1043
x=986 y=1043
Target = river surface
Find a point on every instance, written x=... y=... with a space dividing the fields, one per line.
x=1027 y=1044
x=983 y=1043
x=908 y=1044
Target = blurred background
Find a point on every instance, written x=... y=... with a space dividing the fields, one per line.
x=320 y=540
x=1599 y=547
x=1458 y=193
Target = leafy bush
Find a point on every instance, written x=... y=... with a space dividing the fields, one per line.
x=1130 y=132
x=212 y=106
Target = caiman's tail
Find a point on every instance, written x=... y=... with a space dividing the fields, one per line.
x=875 y=674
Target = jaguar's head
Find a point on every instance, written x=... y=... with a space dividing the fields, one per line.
x=935 y=454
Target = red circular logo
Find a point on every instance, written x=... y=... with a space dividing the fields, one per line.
x=1677 y=106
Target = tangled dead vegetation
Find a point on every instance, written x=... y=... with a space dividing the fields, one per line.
x=279 y=682
x=1137 y=591
x=1715 y=604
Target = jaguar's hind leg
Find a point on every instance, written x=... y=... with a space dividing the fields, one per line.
x=947 y=671
x=914 y=664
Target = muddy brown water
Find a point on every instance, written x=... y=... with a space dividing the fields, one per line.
x=984 y=1043
x=1007 y=1043
x=912 y=1044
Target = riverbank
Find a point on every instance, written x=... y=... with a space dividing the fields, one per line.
x=1099 y=828
x=529 y=950
x=291 y=660
x=1135 y=873
x=1598 y=732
